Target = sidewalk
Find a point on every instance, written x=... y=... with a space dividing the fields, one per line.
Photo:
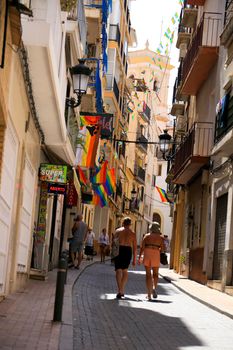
x=26 y=316
x=216 y=300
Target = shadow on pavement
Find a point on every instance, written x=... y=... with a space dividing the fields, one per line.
x=136 y=325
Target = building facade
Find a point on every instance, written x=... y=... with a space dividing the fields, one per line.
x=201 y=170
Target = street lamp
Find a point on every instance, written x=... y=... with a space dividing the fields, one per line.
x=133 y=194
x=80 y=75
x=165 y=144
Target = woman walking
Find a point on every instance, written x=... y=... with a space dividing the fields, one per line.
x=151 y=247
x=104 y=243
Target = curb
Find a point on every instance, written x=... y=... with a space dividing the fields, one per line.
x=211 y=306
x=66 y=333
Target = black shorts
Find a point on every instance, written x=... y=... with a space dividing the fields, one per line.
x=122 y=261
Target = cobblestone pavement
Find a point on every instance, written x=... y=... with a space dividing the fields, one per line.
x=174 y=321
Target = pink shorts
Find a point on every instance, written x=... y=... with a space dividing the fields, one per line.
x=151 y=257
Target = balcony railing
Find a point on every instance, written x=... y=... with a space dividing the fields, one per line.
x=207 y=35
x=198 y=143
x=145 y=111
x=224 y=120
x=142 y=145
x=228 y=11
x=114 y=33
x=140 y=173
x=93 y=3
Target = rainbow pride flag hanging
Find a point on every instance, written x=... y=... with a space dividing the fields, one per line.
x=100 y=176
x=89 y=120
x=81 y=176
x=101 y=193
x=85 y=156
x=110 y=184
x=163 y=195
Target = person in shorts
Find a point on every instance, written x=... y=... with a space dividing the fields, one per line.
x=151 y=246
x=79 y=231
x=127 y=250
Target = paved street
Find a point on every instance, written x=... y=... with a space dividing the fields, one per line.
x=173 y=321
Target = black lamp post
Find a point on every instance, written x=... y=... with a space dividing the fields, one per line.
x=165 y=144
x=80 y=75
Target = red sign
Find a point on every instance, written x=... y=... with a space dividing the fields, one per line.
x=57 y=189
x=72 y=197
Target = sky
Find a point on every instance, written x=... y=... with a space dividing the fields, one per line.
x=151 y=18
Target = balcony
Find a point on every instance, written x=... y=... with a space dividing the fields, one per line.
x=227 y=34
x=177 y=95
x=114 y=33
x=93 y=3
x=143 y=146
x=184 y=36
x=193 y=153
x=145 y=112
x=93 y=13
x=188 y=16
x=177 y=106
x=140 y=174
x=202 y=53
x=223 y=139
x=196 y=2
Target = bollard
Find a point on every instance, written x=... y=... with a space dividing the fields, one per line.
x=64 y=255
x=61 y=276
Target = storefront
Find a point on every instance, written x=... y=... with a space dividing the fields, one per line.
x=49 y=230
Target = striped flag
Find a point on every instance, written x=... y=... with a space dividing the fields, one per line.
x=162 y=194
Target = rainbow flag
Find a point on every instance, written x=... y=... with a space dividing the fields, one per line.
x=100 y=176
x=91 y=139
x=89 y=120
x=110 y=184
x=82 y=177
x=101 y=193
x=163 y=195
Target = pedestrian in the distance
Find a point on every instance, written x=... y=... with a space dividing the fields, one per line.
x=89 y=246
x=127 y=249
x=79 y=231
x=151 y=247
x=103 y=244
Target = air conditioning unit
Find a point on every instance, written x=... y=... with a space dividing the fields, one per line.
x=181 y=123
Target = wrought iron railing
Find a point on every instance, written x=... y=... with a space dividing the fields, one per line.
x=224 y=121
x=198 y=142
x=142 y=139
x=140 y=173
x=207 y=34
x=228 y=11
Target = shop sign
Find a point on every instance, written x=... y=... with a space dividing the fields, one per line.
x=72 y=197
x=56 y=189
x=53 y=173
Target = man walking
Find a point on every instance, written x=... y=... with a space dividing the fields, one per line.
x=79 y=231
x=127 y=248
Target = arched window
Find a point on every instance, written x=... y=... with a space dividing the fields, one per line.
x=157 y=218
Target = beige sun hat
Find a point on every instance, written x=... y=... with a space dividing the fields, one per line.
x=154 y=227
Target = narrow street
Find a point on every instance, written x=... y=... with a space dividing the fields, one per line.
x=173 y=321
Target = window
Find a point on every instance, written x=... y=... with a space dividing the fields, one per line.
x=153 y=181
